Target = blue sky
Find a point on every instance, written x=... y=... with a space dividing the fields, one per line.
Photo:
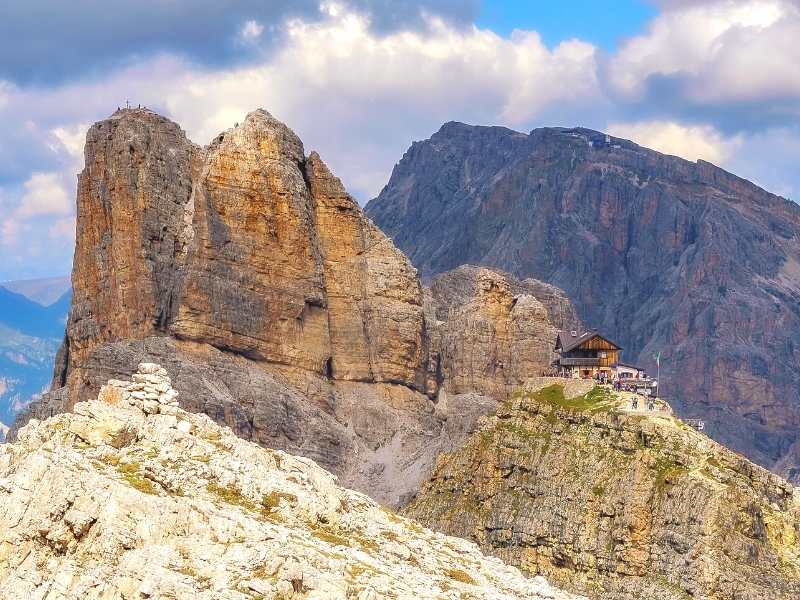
x=602 y=22
x=359 y=80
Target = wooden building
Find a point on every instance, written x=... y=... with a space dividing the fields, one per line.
x=585 y=355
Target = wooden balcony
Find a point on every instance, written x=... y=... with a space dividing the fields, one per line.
x=579 y=362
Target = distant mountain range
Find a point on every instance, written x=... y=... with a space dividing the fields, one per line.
x=31 y=329
x=44 y=291
x=663 y=255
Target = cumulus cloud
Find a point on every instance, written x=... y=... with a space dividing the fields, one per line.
x=359 y=80
x=357 y=92
x=44 y=195
x=42 y=41
x=251 y=31
x=691 y=142
x=360 y=97
x=730 y=61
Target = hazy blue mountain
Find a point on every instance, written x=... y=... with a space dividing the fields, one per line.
x=30 y=334
x=44 y=291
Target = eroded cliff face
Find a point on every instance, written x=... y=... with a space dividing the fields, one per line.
x=614 y=505
x=283 y=312
x=244 y=245
x=492 y=332
x=661 y=254
x=132 y=497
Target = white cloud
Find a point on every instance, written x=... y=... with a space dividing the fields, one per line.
x=71 y=138
x=687 y=141
x=251 y=31
x=44 y=195
x=62 y=229
x=9 y=232
x=357 y=94
x=360 y=95
x=5 y=91
x=721 y=51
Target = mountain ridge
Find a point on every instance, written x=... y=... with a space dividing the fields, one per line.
x=131 y=497
x=662 y=254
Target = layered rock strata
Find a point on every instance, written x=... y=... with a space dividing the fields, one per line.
x=661 y=254
x=492 y=332
x=282 y=311
x=616 y=506
x=244 y=245
x=131 y=497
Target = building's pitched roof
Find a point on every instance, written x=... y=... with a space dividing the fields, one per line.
x=567 y=342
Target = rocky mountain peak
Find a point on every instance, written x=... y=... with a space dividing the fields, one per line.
x=130 y=497
x=662 y=254
x=262 y=132
x=247 y=269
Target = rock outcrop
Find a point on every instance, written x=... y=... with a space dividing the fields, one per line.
x=492 y=332
x=661 y=254
x=618 y=506
x=243 y=245
x=131 y=497
x=246 y=269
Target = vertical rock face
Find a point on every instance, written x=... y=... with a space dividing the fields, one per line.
x=617 y=506
x=662 y=254
x=253 y=281
x=133 y=195
x=246 y=269
x=492 y=331
x=244 y=245
x=374 y=295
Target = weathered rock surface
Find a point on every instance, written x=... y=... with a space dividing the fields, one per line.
x=244 y=245
x=660 y=253
x=618 y=506
x=491 y=331
x=246 y=269
x=131 y=497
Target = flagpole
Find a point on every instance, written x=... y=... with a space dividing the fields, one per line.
x=657 y=356
x=658 y=376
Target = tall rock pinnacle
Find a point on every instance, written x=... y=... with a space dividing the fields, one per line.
x=246 y=269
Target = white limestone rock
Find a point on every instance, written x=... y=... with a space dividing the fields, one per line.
x=129 y=497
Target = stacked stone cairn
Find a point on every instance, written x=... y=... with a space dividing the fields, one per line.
x=151 y=390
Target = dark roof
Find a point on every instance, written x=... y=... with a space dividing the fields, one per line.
x=567 y=342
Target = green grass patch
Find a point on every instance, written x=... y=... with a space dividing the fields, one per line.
x=272 y=500
x=132 y=475
x=598 y=399
x=598 y=490
x=231 y=495
x=667 y=471
x=330 y=537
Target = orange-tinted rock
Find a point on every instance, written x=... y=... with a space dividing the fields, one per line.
x=492 y=331
x=284 y=312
